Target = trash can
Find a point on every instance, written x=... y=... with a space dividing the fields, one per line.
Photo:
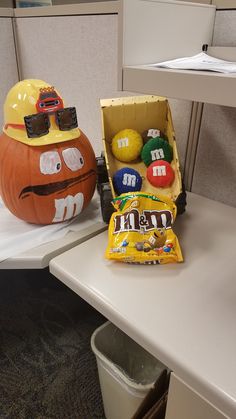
x=126 y=371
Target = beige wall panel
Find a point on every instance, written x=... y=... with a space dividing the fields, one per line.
x=86 y=1
x=199 y=1
x=55 y=2
x=215 y=170
x=78 y=54
x=225 y=28
x=181 y=113
x=224 y=4
x=8 y=67
x=6 y=3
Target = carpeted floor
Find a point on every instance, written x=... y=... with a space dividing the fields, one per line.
x=47 y=370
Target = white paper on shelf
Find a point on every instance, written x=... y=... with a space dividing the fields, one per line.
x=201 y=61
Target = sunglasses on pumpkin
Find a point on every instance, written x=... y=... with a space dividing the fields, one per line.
x=38 y=124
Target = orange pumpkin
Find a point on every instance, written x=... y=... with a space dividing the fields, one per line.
x=40 y=191
x=45 y=179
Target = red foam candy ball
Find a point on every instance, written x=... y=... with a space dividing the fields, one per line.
x=160 y=174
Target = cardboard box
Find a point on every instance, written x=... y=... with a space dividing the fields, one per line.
x=139 y=113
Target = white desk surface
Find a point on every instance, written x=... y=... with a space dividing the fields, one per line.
x=184 y=314
x=40 y=256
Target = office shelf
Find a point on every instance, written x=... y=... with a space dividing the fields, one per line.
x=199 y=86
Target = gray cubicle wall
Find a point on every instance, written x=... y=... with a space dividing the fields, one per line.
x=6 y=3
x=215 y=169
x=8 y=64
x=78 y=54
x=75 y=54
x=55 y=2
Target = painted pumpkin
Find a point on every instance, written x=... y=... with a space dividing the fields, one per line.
x=47 y=165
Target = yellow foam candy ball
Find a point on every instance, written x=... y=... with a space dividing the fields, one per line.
x=127 y=145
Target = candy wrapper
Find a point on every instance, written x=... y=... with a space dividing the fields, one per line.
x=140 y=231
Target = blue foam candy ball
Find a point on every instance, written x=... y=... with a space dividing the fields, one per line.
x=127 y=180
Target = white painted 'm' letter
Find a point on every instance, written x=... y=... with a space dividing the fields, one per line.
x=159 y=171
x=157 y=154
x=123 y=142
x=129 y=180
x=68 y=207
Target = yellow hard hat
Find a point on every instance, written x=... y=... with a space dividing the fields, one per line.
x=32 y=98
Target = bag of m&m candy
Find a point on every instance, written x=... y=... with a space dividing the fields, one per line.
x=140 y=230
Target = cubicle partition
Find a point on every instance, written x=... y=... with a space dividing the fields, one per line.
x=215 y=169
x=75 y=47
x=8 y=62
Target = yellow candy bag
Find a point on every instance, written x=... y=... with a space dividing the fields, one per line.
x=140 y=230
